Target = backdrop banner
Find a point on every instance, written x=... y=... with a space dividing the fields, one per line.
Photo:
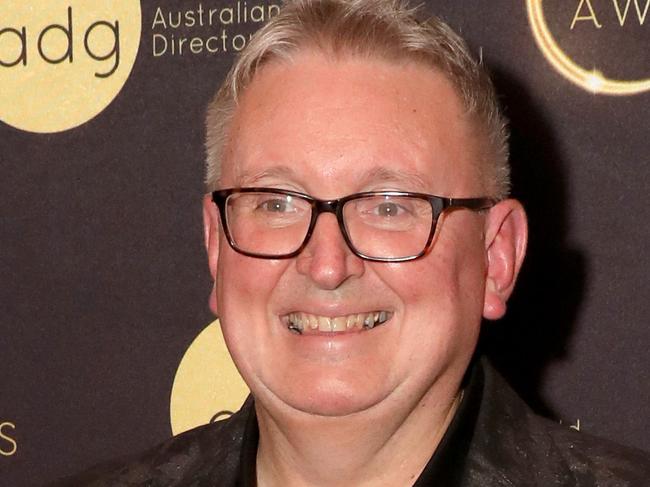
x=107 y=343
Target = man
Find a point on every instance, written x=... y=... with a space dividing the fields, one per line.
x=358 y=230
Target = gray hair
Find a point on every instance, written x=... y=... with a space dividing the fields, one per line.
x=386 y=29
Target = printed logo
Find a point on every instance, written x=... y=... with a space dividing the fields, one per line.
x=195 y=30
x=63 y=62
x=603 y=22
x=207 y=386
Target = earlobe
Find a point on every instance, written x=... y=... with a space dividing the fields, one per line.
x=505 y=240
x=211 y=240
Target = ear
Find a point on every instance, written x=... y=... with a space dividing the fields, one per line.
x=506 y=237
x=211 y=236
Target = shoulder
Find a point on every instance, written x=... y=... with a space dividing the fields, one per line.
x=596 y=461
x=514 y=446
x=207 y=452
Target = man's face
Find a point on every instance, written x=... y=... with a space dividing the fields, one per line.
x=331 y=128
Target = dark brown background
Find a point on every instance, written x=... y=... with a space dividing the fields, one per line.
x=104 y=285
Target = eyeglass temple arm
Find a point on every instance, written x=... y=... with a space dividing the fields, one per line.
x=469 y=203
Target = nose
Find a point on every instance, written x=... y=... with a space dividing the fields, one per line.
x=327 y=260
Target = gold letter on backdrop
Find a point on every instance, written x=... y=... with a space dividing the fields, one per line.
x=591 y=17
x=7 y=439
x=623 y=16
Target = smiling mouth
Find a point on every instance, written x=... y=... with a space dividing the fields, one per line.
x=300 y=322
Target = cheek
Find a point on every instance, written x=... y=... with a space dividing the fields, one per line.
x=244 y=289
x=451 y=276
x=442 y=294
x=244 y=281
x=461 y=257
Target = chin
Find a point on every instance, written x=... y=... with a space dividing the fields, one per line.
x=330 y=397
x=332 y=405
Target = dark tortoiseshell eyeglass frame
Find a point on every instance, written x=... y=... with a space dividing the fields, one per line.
x=439 y=204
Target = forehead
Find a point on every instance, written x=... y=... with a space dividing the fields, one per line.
x=340 y=124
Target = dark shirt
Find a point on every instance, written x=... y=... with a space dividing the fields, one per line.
x=493 y=440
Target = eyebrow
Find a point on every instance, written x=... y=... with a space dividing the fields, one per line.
x=406 y=180
x=281 y=172
x=409 y=181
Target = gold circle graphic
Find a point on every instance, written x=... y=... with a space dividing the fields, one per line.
x=207 y=385
x=591 y=80
x=63 y=62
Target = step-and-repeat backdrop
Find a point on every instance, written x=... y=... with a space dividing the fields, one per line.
x=106 y=341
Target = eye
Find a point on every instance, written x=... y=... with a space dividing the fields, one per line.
x=277 y=205
x=388 y=209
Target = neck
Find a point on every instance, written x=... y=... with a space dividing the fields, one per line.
x=301 y=449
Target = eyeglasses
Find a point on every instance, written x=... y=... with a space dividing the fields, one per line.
x=383 y=226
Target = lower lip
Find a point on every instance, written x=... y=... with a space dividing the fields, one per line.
x=318 y=333
x=337 y=342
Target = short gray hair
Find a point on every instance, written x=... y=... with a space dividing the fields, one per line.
x=386 y=29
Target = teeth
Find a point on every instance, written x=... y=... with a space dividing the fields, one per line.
x=295 y=323
x=369 y=322
x=339 y=323
x=299 y=322
x=313 y=322
x=351 y=321
x=324 y=324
